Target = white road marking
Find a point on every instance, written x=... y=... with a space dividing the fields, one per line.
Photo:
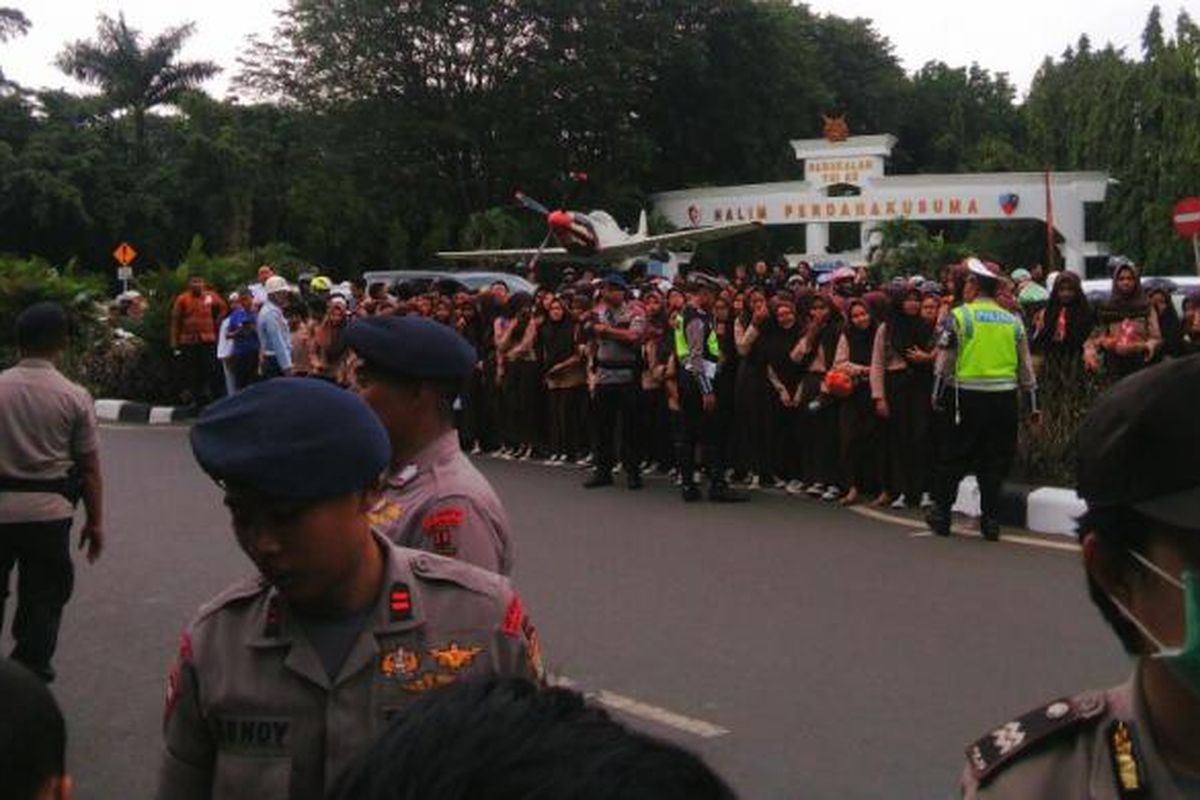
x=636 y=708
x=916 y=531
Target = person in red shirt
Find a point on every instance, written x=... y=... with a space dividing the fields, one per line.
x=196 y=317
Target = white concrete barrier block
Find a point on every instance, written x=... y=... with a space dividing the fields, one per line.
x=109 y=410
x=160 y=415
x=1053 y=510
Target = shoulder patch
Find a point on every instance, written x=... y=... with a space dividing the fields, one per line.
x=1006 y=744
x=432 y=567
x=242 y=590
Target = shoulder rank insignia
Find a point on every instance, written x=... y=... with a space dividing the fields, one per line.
x=1002 y=746
x=1126 y=761
x=454 y=657
x=400 y=602
x=384 y=513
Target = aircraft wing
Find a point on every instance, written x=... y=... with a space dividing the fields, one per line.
x=668 y=241
x=548 y=255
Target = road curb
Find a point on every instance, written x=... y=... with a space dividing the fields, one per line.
x=1041 y=509
x=140 y=413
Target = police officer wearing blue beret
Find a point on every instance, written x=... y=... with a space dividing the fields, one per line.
x=410 y=371
x=284 y=679
x=1140 y=537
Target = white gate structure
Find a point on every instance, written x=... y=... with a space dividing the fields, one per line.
x=858 y=162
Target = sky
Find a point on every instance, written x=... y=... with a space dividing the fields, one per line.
x=1010 y=36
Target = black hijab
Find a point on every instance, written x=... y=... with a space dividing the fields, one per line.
x=907 y=330
x=861 y=342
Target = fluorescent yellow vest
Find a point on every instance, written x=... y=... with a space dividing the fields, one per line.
x=681 y=345
x=987 y=347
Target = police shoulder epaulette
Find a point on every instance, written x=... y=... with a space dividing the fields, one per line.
x=1006 y=744
x=242 y=590
x=432 y=567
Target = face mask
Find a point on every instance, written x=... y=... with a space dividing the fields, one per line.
x=1183 y=661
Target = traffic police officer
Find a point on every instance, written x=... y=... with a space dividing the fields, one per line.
x=983 y=356
x=410 y=371
x=1140 y=541
x=49 y=460
x=284 y=679
x=699 y=356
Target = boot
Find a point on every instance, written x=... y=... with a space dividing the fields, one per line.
x=691 y=493
x=598 y=479
x=989 y=529
x=938 y=520
x=721 y=493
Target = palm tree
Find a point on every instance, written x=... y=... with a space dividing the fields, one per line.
x=134 y=77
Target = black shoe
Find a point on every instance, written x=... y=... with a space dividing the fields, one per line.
x=634 y=481
x=721 y=493
x=989 y=528
x=598 y=479
x=938 y=521
x=691 y=493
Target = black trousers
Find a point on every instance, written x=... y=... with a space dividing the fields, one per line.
x=909 y=432
x=567 y=410
x=245 y=369
x=697 y=427
x=200 y=371
x=41 y=552
x=614 y=410
x=983 y=443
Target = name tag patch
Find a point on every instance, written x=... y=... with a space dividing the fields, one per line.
x=252 y=735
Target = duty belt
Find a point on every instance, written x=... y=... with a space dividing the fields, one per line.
x=70 y=487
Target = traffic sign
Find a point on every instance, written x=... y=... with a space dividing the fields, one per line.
x=124 y=254
x=1187 y=216
x=124 y=273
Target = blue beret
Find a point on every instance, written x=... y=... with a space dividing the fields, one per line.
x=293 y=438
x=412 y=347
x=616 y=279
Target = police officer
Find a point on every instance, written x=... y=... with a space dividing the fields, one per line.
x=410 y=371
x=284 y=679
x=617 y=328
x=49 y=460
x=983 y=356
x=699 y=357
x=1140 y=540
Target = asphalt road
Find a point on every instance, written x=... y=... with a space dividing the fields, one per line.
x=842 y=656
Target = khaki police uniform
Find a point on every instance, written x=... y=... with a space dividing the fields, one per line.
x=252 y=714
x=441 y=503
x=1096 y=745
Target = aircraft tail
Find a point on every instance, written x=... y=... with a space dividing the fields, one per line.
x=643 y=228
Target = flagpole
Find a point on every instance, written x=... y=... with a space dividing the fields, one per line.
x=1049 y=223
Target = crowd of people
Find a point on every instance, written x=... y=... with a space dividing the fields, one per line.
x=824 y=378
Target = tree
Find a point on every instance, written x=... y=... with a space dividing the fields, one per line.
x=13 y=23
x=134 y=77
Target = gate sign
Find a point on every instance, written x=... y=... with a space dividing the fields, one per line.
x=1187 y=216
x=124 y=254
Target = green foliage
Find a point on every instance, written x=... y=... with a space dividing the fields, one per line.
x=905 y=247
x=25 y=282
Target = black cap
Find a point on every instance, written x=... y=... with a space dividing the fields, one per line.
x=292 y=438
x=412 y=347
x=40 y=324
x=1138 y=445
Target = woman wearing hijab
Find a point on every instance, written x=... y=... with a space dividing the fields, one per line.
x=652 y=400
x=753 y=397
x=1127 y=336
x=520 y=370
x=725 y=385
x=858 y=424
x=900 y=390
x=1169 y=323
x=1191 y=323
x=329 y=352
x=566 y=382
x=1065 y=325
x=814 y=353
x=781 y=460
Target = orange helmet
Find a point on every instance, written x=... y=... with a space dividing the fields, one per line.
x=838 y=384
